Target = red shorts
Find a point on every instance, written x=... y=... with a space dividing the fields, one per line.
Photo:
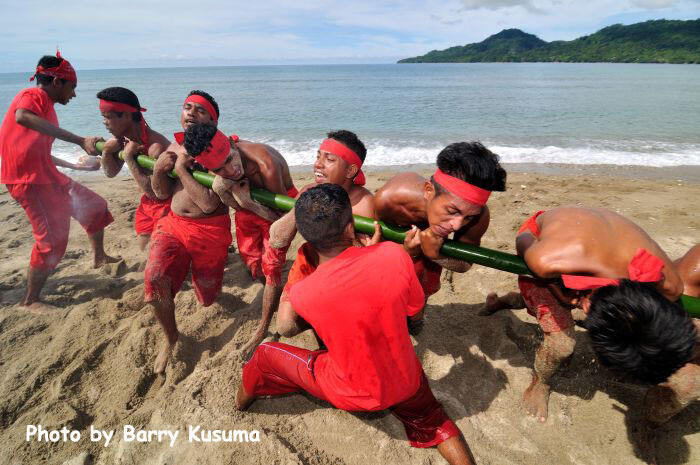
x=551 y=315
x=428 y=273
x=149 y=212
x=253 y=240
x=178 y=242
x=303 y=266
x=278 y=368
x=49 y=208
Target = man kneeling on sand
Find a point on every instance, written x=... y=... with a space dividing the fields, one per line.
x=195 y=234
x=360 y=316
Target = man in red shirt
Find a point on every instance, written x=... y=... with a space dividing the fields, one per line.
x=123 y=118
x=338 y=161
x=361 y=317
x=29 y=171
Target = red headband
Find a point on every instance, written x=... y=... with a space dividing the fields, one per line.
x=108 y=105
x=462 y=189
x=337 y=148
x=194 y=98
x=644 y=268
x=63 y=71
x=215 y=155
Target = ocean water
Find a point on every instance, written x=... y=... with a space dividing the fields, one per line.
x=640 y=114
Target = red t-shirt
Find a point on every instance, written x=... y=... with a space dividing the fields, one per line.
x=25 y=153
x=358 y=303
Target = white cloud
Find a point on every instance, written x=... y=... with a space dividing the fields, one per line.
x=137 y=33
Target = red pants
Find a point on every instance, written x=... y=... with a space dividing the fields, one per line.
x=253 y=240
x=551 y=315
x=278 y=368
x=428 y=273
x=148 y=213
x=49 y=208
x=179 y=242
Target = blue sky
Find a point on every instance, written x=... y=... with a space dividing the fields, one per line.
x=208 y=32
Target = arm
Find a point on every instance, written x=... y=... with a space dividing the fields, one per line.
x=236 y=194
x=240 y=190
x=111 y=163
x=204 y=198
x=73 y=166
x=131 y=151
x=283 y=230
x=31 y=121
x=161 y=183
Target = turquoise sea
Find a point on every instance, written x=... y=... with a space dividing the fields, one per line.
x=531 y=112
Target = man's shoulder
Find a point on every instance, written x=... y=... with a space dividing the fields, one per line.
x=36 y=95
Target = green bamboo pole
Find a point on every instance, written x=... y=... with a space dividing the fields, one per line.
x=467 y=252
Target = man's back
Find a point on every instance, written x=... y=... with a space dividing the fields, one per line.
x=358 y=303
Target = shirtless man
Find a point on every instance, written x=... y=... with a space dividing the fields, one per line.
x=259 y=166
x=369 y=363
x=123 y=118
x=196 y=233
x=338 y=161
x=48 y=197
x=608 y=266
x=453 y=200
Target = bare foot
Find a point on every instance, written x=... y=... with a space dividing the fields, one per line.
x=536 y=399
x=104 y=259
x=39 y=308
x=243 y=399
x=163 y=358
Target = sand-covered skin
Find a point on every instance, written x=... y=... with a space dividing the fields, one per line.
x=90 y=363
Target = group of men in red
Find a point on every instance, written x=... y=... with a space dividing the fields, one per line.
x=589 y=258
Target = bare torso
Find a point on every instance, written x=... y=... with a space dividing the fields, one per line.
x=593 y=242
x=182 y=204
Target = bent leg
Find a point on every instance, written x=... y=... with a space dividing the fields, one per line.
x=48 y=210
x=558 y=344
x=92 y=212
x=166 y=269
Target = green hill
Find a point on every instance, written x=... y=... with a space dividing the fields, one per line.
x=656 y=41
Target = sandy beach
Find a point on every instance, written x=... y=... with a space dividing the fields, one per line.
x=90 y=363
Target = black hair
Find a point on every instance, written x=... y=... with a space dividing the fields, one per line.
x=198 y=138
x=48 y=61
x=473 y=163
x=211 y=100
x=322 y=214
x=122 y=95
x=636 y=330
x=351 y=141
